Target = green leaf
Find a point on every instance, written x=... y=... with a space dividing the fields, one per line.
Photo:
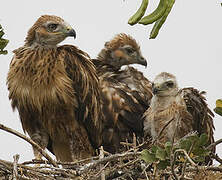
x=219 y=103
x=203 y=139
x=147 y=156
x=4 y=52
x=218 y=110
x=199 y=151
x=161 y=154
x=185 y=144
x=1 y=34
x=154 y=149
x=3 y=43
x=168 y=146
x=163 y=164
x=194 y=138
x=199 y=159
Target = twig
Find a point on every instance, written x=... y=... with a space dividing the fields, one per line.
x=172 y=167
x=31 y=142
x=128 y=163
x=36 y=161
x=42 y=173
x=205 y=168
x=216 y=157
x=172 y=162
x=15 y=162
x=185 y=162
x=134 y=140
x=105 y=159
x=214 y=144
x=144 y=170
x=102 y=171
x=118 y=170
x=101 y=156
x=127 y=144
x=188 y=157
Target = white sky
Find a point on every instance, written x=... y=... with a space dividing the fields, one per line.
x=189 y=46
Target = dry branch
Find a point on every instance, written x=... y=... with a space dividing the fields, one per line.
x=125 y=165
x=31 y=142
x=214 y=144
x=15 y=172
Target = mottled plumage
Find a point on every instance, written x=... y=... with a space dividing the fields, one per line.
x=185 y=109
x=55 y=89
x=125 y=92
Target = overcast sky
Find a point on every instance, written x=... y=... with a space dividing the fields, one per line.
x=188 y=45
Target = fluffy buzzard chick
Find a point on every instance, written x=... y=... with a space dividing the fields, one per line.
x=125 y=92
x=55 y=89
x=185 y=110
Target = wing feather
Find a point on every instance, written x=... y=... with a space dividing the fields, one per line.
x=127 y=93
x=198 y=108
x=85 y=84
x=202 y=115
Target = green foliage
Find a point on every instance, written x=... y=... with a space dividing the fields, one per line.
x=3 y=42
x=158 y=16
x=193 y=144
x=148 y=157
x=218 y=108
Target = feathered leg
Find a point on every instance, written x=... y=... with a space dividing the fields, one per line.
x=42 y=139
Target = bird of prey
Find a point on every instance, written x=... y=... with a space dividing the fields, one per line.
x=125 y=92
x=55 y=90
x=184 y=110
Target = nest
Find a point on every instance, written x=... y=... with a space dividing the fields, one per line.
x=125 y=165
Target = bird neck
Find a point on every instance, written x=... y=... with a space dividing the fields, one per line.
x=106 y=59
x=161 y=102
x=36 y=45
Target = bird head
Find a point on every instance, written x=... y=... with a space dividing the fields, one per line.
x=165 y=84
x=49 y=30
x=122 y=50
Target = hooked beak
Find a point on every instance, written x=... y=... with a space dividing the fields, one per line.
x=71 y=33
x=156 y=89
x=142 y=61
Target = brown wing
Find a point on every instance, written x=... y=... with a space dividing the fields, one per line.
x=202 y=115
x=137 y=82
x=126 y=96
x=198 y=108
x=85 y=83
x=56 y=94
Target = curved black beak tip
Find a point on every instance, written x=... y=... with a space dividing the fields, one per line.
x=72 y=33
x=143 y=62
x=155 y=90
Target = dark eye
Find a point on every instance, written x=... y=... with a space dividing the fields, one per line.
x=52 y=27
x=129 y=50
x=170 y=84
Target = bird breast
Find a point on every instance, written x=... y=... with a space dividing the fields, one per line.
x=38 y=80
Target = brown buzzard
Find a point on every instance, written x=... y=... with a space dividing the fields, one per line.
x=184 y=109
x=55 y=90
x=125 y=91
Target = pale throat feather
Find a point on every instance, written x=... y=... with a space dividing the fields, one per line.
x=161 y=102
x=160 y=112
